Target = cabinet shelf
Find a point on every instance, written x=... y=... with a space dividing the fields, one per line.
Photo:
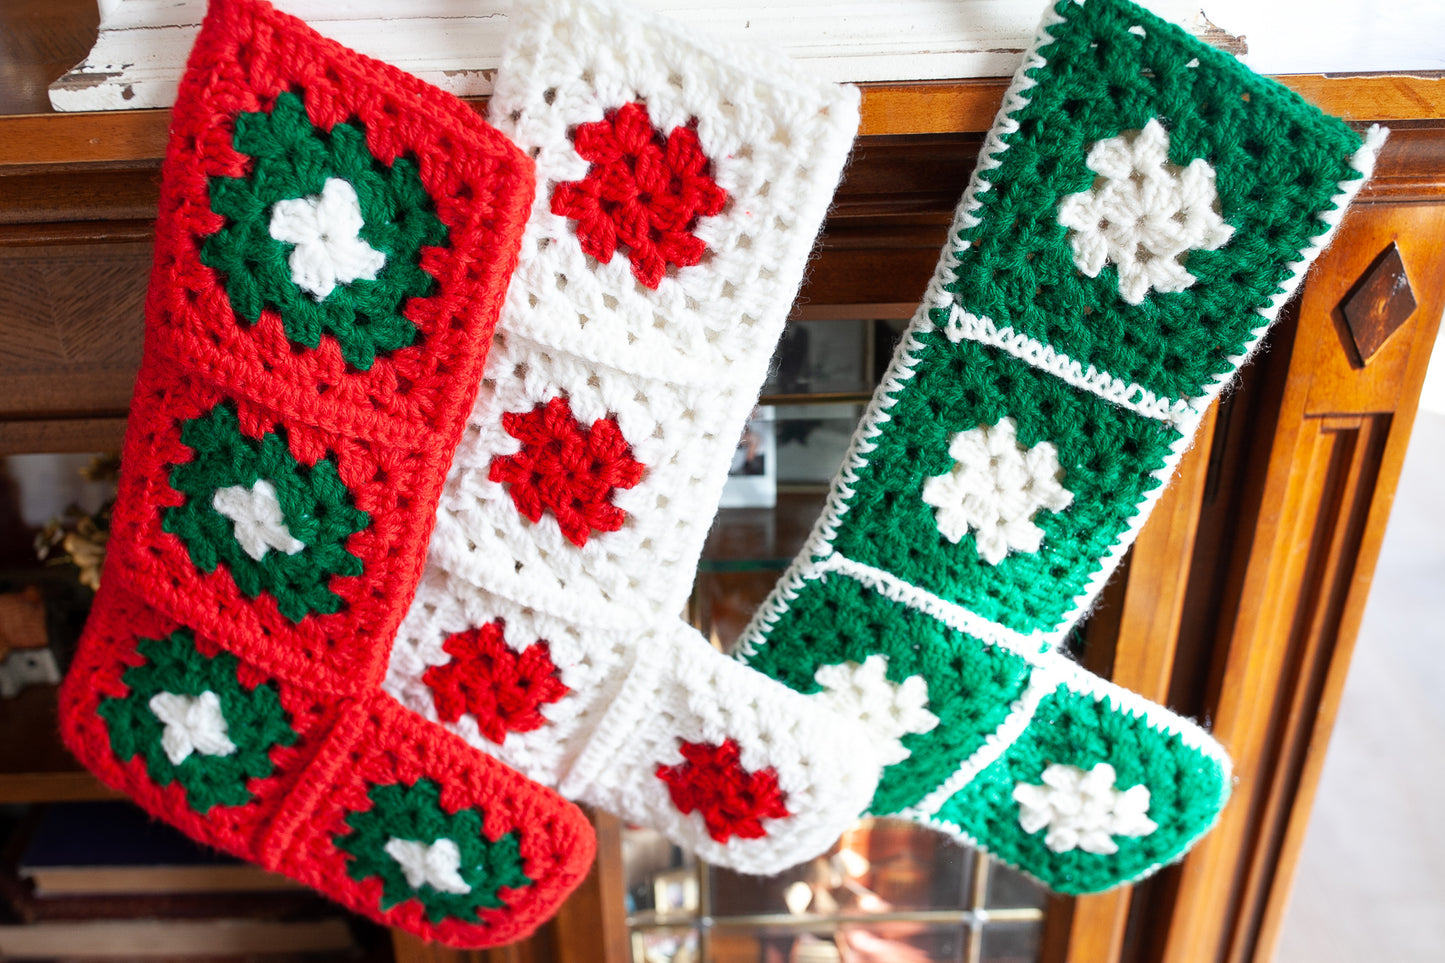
x=34 y=766
x=761 y=539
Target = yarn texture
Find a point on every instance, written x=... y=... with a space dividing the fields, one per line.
x=1145 y=215
x=732 y=800
x=567 y=469
x=503 y=690
x=333 y=244
x=643 y=193
x=240 y=493
x=1140 y=211
x=995 y=488
x=415 y=847
x=304 y=184
x=193 y=722
x=680 y=187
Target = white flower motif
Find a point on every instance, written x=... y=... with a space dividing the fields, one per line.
x=1143 y=213
x=193 y=724
x=436 y=865
x=995 y=488
x=1082 y=809
x=890 y=710
x=326 y=230
x=256 y=514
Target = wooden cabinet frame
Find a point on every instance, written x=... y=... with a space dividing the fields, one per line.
x=1239 y=604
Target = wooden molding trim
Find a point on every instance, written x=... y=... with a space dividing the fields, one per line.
x=1323 y=482
x=36 y=787
x=122 y=137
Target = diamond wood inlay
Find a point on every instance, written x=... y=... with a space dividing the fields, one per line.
x=1379 y=303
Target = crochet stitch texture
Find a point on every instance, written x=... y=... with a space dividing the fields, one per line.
x=290 y=431
x=230 y=481
x=732 y=800
x=644 y=192
x=567 y=469
x=503 y=690
x=400 y=819
x=618 y=387
x=1144 y=214
x=214 y=771
x=1140 y=211
x=295 y=166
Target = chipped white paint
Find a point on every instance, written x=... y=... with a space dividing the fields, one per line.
x=456 y=44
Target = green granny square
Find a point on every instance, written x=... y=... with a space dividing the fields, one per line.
x=1091 y=795
x=300 y=174
x=920 y=513
x=193 y=721
x=278 y=526
x=1152 y=200
x=970 y=687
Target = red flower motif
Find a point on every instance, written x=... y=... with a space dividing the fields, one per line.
x=643 y=192
x=567 y=469
x=502 y=689
x=733 y=801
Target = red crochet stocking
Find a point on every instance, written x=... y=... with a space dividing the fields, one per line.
x=333 y=244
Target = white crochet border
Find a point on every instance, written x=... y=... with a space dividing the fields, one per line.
x=963 y=325
x=818 y=556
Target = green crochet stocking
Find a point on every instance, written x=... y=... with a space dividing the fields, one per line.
x=1141 y=210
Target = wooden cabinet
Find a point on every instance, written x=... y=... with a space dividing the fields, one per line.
x=1239 y=603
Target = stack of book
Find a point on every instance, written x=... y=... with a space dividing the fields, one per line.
x=101 y=880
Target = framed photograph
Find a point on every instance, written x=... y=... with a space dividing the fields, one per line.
x=753 y=477
x=675 y=891
x=664 y=946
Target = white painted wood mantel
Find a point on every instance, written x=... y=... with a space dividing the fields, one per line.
x=455 y=44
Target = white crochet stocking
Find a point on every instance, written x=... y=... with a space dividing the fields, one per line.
x=679 y=191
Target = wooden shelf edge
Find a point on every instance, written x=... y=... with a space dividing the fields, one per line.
x=34 y=787
x=921 y=107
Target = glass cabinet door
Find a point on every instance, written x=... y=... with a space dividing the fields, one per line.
x=888 y=890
